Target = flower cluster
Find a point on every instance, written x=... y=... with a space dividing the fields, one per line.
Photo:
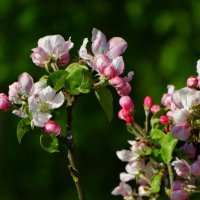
x=173 y=138
x=107 y=61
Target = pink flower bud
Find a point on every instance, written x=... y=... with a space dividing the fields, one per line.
x=154 y=109
x=52 y=128
x=164 y=119
x=148 y=102
x=4 y=102
x=124 y=91
x=125 y=115
x=13 y=93
x=126 y=103
x=192 y=82
x=181 y=167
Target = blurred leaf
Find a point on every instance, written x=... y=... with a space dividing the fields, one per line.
x=157 y=136
x=22 y=128
x=49 y=142
x=57 y=79
x=105 y=98
x=155 y=183
x=79 y=79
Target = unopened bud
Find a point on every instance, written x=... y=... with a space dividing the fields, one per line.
x=52 y=128
x=4 y=102
x=164 y=119
x=148 y=102
x=192 y=82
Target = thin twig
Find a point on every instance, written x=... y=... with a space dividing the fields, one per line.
x=71 y=154
x=171 y=176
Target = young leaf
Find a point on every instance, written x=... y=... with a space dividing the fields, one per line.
x=168 y=145
x=105 y=99
x=22 y=128
x=157 y=136
x=57 y=79
x=155 y=183
x=79 y=79
x=49 y=142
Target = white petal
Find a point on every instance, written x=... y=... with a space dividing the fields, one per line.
x=123 y=189
x=124 y=155
x=198 y=68
x=57 y=101
x=47 y=94
x=34 y=106
x=83 y=51
x=40 y=119
x=38 y=87
x=99 y=43
x=19 y=113
x=25 y=83
x=125 y=177
x=118 y=63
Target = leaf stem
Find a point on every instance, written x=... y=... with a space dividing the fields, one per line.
x=71 y=154
x=171 y=176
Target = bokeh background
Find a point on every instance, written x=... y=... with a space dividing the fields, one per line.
x=163 y=47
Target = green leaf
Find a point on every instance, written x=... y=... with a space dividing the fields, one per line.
x=22 y=128
x=49 y=142
x=168 y=145
x=79 y=79
x=57 y=79
x=155 y=183
x=105 y=99
x=155 y=120
x=157 y=136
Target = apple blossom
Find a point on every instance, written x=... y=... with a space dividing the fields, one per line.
x=178 y=192
x=192 y=82
x=52 y=48
x=181 y=167
x=123 y=189
x=181 y=132
x=155 y=108
x=189 y=150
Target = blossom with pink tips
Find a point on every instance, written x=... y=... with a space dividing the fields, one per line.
x=4 y=102
x=195 y=168
x=123 y=189
x=52 y=48
x=13 y=93
x=52 y=128
x=181 y=132
x=181 y=167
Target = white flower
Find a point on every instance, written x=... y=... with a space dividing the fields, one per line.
x=41 y=103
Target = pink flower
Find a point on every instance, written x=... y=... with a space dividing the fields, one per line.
x=107 y=67
x=167 y=97
x=134 y=167
x=181 y=132
x=154 y=109
x=52 y=128
x=4 y=102
x=52 y=48
x=189 y=150
x=122 y=84
x=126 y=113
x=192 y=82
x=181 y=167
x=25 y=84
x=148 y=102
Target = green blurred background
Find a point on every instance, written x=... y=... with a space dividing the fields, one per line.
x=163 y=47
